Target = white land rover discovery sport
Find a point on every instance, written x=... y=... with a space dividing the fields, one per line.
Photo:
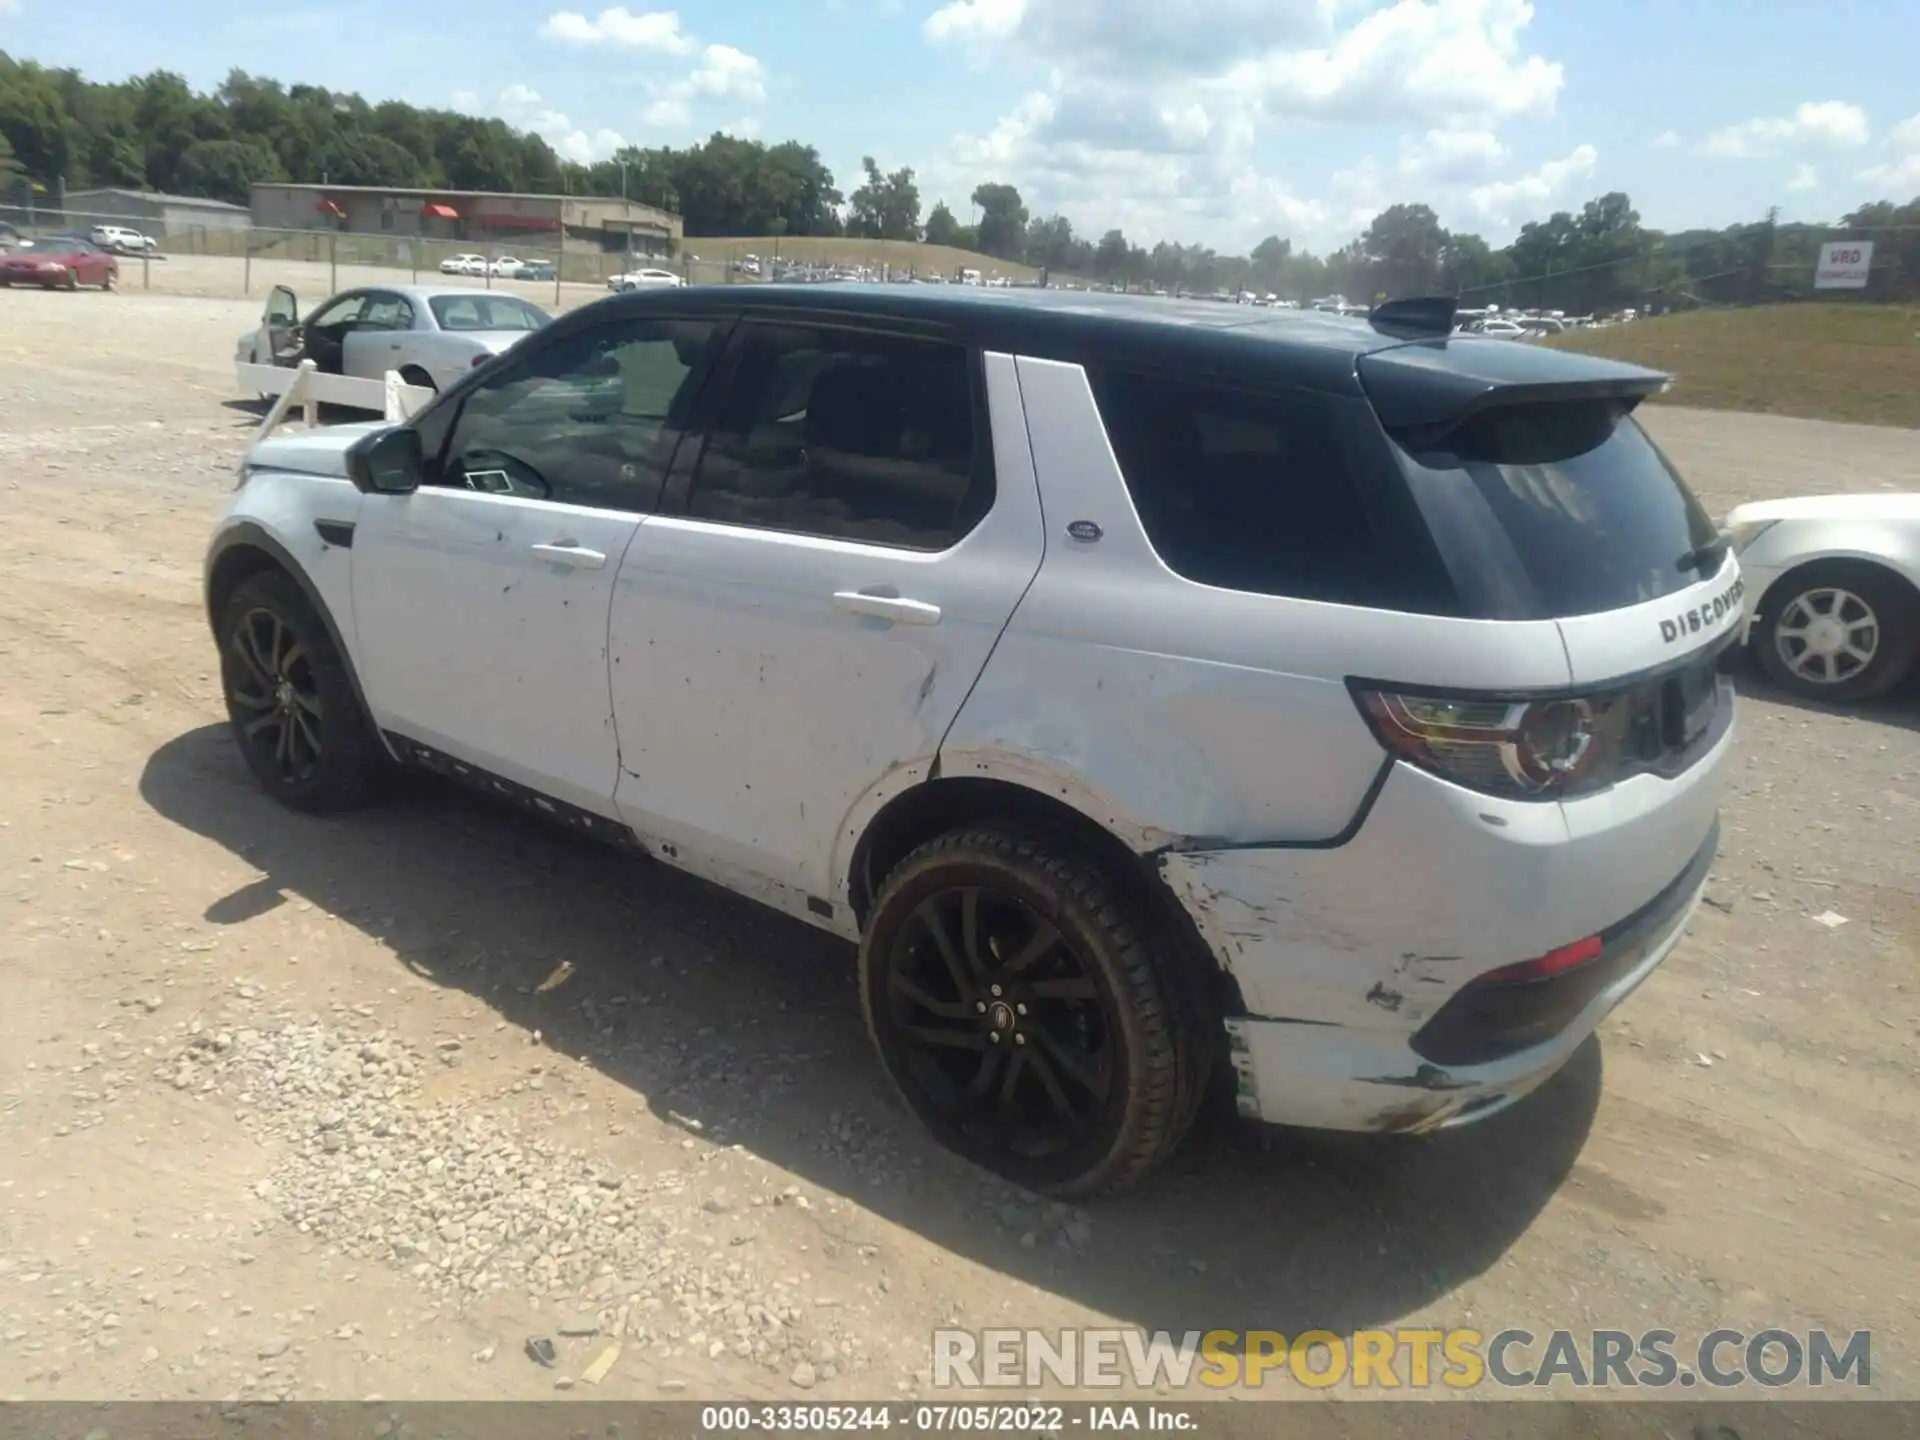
x=1162 y=686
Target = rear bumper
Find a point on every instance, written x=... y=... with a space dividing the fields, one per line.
x=1333 y=1078
x=1356 y=963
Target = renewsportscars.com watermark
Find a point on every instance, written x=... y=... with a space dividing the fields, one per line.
x=1399 y=1359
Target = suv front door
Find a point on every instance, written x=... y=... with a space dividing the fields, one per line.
x=793 y=635
x=481 y=599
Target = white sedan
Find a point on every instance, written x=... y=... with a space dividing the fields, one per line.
x=431 y=336
x=644 y=279
x=1833 y=591
x=506 y=267
x=464 y=265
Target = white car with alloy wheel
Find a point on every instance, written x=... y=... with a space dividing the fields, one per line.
x=645 y=279
x=1834 y=585
x=1331 y=709
x=430 y=336
x=464 y=265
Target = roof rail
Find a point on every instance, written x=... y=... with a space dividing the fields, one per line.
x=1416 y=317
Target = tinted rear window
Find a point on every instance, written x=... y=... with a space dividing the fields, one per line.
x=1560 y=509
x=1273 y=492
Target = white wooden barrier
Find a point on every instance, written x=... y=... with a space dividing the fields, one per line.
x=309 y=389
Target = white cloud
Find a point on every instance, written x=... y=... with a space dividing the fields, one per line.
x=974 y=21
x=1805 y=177
x=9 y=7
x=1899 y=174
x=1451 y=157
x=1152 y=114
x=1504 y=201
x=1818 y=122
x=727 y=73
x=724 y=73
x=521 y=107
x=1667 y=140
x=650 y=30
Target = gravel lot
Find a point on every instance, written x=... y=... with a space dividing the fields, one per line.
x=288 y=1108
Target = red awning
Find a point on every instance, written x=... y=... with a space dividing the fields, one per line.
x=440 y=212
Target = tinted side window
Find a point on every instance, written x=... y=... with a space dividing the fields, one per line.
x=586 y=421
x=1263 y=492
x=855 y=436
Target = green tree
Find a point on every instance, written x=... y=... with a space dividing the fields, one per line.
x=228 y=169
x=1269 y=263
x=942 y=227
x=887 y=207
x=1400 y=252
x=12 y=172
x=1003 y=220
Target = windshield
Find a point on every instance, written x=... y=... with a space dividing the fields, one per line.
x=486 y=312
x=1551 y=510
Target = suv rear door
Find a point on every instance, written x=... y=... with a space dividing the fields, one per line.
x=836 y=560
x=1552 y=503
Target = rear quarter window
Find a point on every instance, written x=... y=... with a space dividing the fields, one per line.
x=1273 y=492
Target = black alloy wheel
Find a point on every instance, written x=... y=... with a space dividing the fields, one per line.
x=1002 y=1023
x=1027 y=1015
x=291 y=699
x=274 y=688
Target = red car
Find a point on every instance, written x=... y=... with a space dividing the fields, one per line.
x=67 y=263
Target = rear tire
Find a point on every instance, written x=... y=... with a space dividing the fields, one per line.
x=1081 y=1071
x=1869 y=613
x=291 y=701
x=414 y=375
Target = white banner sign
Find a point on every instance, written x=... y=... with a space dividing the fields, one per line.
x=1843 y=265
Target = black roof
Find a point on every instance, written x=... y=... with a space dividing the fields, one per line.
x=1305 y=348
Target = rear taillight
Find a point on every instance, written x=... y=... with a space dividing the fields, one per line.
x=480 y=360
x=1545 y=967
x=1521 y=749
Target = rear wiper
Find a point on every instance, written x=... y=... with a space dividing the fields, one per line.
x=1699 y=559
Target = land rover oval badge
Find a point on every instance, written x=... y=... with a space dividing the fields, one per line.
x=1084 y=530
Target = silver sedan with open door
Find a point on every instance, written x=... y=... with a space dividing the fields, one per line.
x=431 y=336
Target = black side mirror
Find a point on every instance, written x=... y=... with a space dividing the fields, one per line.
x=387 y=462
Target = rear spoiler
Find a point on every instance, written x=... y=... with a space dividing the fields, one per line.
x=1427 y=387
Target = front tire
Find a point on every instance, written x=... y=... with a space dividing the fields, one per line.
x=1838 y=631
x=291 y=701
x=1029 y=1014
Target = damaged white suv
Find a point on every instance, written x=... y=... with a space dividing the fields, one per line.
x=1145 y=687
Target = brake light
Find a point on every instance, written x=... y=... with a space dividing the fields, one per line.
x=1554 y=962
x=1521 y=749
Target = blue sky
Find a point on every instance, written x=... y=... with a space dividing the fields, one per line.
x=1216 y=121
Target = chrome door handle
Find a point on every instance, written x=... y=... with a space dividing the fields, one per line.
x=888 y=607
x=576 y=557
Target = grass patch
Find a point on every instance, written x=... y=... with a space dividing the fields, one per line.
x=1819 y=362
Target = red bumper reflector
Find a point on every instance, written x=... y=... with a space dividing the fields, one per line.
x=1554 y=962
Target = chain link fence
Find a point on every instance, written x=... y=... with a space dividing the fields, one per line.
x=245 y=262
